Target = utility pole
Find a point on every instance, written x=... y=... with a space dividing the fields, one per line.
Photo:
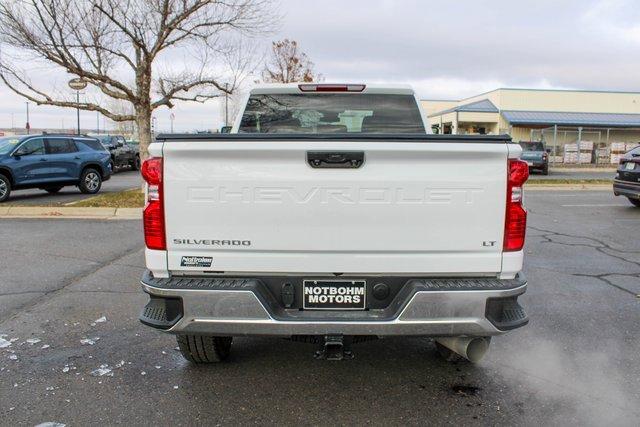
x=98 y=122
x=172 y=117
x=28 y=126
x=226 y=104
x=12 y=123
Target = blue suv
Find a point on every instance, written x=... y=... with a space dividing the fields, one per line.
x=50 y=162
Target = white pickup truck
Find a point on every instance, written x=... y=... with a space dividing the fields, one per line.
x=329 y=215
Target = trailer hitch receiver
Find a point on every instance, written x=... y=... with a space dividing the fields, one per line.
x=334 y=347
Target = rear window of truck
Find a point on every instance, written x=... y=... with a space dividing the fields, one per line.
x=532 y=146
x=332 y=113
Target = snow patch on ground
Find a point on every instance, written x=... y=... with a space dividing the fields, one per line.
x=102 y=371
x=89 y=341
x=100 y=320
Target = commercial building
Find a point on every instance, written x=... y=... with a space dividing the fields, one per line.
x=609 y=120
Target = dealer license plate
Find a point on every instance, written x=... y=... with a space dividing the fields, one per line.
x=334 y=294
x=629 y=166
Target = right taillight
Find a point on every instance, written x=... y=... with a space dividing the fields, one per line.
x=515 y=225
x=153 y=214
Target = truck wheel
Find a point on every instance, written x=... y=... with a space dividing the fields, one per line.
x=204 y=349
x=90 y=181
x=634 y=202
x=135 y=164
x=545 y=170
x=5 y=188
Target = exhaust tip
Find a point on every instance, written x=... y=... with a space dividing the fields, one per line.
x=471 y=348
x=476 y=349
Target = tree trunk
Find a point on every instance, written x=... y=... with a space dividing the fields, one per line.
x=143 y=122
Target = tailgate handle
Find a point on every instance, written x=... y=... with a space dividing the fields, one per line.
x=335 y=159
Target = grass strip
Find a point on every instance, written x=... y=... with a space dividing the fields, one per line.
x=123 y=199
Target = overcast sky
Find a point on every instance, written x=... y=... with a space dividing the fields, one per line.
x=445 y=49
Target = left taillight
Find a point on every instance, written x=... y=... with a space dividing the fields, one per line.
x=153 y=214
x=515 y=225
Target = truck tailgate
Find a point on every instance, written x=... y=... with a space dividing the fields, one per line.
x=258 y=206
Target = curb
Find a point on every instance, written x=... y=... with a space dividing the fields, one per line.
x=611 y=169
x=69 y=212
x=570 y=187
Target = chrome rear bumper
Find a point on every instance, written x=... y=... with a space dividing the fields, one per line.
x=240 y=312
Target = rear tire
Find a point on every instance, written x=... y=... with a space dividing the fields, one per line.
x=90 y=181
x=634 y=202
x=5 y=188
x=135 y=165
x=545 y=170
x=53 y=190
x=204 y=349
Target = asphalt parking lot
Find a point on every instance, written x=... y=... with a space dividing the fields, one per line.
x=121 y=180
x=576 y=363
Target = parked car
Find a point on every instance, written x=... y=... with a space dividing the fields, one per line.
x=627 y=180
x=536 y=156
x=51 y=162
x=303 y=224
x=122 y=154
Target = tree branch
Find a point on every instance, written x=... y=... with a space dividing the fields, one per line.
x=41 y=98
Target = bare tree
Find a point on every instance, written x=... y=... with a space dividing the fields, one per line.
x=149 y=53
x=288 y=64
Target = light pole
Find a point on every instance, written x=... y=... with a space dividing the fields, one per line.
x=28 y=126
x=226 y=104
x=77 y=84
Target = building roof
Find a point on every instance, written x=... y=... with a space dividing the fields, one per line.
x=571 y=119
x=482 y=106
x=541 y=90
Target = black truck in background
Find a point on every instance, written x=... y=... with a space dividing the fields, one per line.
x=122 y=154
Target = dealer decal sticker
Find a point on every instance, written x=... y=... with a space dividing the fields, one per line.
x=196 y=261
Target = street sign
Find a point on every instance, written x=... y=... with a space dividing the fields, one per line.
x=77 y=84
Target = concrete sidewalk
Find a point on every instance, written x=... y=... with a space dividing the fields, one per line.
x=69 y=212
